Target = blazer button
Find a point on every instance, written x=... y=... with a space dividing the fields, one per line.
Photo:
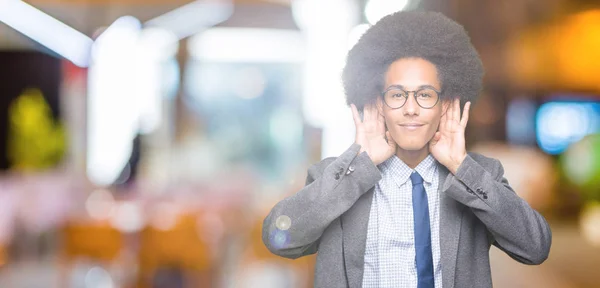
x=337 y=176
x=479 y=191
x=350 y=170
x=484 y=196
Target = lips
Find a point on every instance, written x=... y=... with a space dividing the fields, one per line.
x=411 y=126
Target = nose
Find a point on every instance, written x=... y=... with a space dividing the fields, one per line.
x=411 y=107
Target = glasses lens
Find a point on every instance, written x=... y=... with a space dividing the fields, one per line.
x=427 y=98
x=395 y=98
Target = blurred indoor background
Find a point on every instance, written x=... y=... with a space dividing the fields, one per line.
x=144 y=141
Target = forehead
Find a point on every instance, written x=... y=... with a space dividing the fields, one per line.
x=412 y=73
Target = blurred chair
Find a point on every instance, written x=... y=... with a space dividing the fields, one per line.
x=258 y=267
x=178 y=249
x=98 y=240
x=95 y=241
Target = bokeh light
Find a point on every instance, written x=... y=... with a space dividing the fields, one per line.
x=377 y=9
x=590 y=223
x=561 y=123
x=279 y=238
x=100 y=205
x=581 y=165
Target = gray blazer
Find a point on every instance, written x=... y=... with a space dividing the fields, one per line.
x=478 y=208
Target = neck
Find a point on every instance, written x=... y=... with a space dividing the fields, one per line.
x=412 y=158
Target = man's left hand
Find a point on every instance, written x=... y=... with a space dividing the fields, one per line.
x=448 y=143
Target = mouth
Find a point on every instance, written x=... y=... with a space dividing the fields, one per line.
x=411 y=126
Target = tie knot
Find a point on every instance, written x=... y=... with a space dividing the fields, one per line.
x=415 y=178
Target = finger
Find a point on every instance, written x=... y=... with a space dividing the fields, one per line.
x=366 y=114
x=454 y=118
x=355 y=115
x=465 y=116
x=450 y=112
x=443 y=120
x=456 y=110
x=449 y=115
x=380 y=118
x=373 y=113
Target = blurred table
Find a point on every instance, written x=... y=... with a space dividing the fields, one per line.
x=573 y=263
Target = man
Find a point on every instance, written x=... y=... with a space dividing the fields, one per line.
x=406 y=205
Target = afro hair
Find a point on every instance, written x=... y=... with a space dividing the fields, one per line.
x=413 y=34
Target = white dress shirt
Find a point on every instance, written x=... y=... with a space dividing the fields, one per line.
x=390 y=248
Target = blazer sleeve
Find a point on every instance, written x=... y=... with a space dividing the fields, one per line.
x=517 y=229
x=294 y=226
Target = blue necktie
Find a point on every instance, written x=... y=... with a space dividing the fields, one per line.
x=423 y=254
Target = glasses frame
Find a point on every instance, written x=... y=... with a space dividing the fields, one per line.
x=414 y=93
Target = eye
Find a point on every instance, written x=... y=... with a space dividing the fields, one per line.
x=424 y=94
x=427 y=94
x=398 y=94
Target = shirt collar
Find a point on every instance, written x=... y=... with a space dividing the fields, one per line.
x=427 y=168
x=401 y=172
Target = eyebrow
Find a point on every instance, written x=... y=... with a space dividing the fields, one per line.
x=418 y=88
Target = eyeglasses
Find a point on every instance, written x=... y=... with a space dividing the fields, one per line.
x=395 y=97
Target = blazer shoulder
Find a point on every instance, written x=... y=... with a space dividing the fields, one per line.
x=317 y=169
x=490 y=164
x=482 y=159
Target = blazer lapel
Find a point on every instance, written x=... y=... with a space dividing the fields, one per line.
x=450 y=225
x=354 y=228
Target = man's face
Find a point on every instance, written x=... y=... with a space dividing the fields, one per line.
x=412 y=126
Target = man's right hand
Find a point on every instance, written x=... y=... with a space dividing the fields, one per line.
x=371 y=134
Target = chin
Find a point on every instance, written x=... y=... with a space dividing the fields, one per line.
x=411 y=146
